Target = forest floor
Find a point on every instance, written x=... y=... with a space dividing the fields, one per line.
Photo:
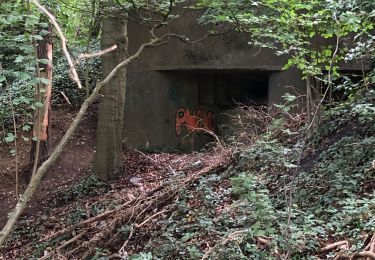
x=72 y=165
x=228 y=202
x=68 y=180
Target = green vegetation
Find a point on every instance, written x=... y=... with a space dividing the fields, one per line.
x=297 y=195
x=305 y=182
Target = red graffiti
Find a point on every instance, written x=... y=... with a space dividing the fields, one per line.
x=194 y=120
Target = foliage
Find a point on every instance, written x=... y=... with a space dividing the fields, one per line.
x=20 y=25
x=62 y=83
x=17 y=68
x=290 y=27
x=89 y=186
x=324 y=187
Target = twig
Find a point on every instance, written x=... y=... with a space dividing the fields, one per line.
x=230 y=237
x=155 y=161
x=122 y=250
x=371 y=246
x=87 y=222
x=65 y=97
x=15 y=131
x=148 y=219
x=368 y=254
x=96 y=54
x=77 y=237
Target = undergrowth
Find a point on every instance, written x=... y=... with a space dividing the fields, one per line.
x=286 y=195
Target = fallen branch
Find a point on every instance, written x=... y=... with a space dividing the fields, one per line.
x=86 y=222
x=138 y=209
x=263 y=241
x=147 y=220
x=339 y=244
x=230 y=237
x=371 y=246
x=74 y=239
x=368 y=254
x=123 y=253
x=120 y=218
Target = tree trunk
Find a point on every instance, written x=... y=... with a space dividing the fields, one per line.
x=39 y=147
x=108 y=160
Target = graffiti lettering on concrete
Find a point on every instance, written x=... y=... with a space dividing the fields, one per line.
x=197 y=120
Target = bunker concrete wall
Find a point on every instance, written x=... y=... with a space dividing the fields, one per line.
x=163 y=97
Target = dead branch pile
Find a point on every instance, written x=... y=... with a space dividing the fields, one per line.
x=102 y=231
x=368 y=253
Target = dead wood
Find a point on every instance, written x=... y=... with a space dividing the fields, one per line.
x=103 y=228
x=70 y=241
x=361 y=255
x=335 y=245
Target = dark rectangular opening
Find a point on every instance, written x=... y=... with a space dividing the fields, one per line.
x=227 y=89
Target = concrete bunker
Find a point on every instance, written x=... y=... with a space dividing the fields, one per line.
x=211 y=98
x=174 y=84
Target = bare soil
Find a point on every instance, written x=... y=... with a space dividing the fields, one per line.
x=142 y=173
x=72 y=165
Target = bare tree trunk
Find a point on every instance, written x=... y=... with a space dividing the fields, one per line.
x=108 y=161
x=39 y=148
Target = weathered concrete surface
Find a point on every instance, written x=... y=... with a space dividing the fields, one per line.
x=173 y=84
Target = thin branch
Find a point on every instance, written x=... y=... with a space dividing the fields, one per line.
x=155 y=161
x=335 y=245
x=65 y=97
x=96 y=54
x=122 y=250
x=14 y=129
x=70 y=241
x=73 y=71
x=153 y=216
x=230 y=237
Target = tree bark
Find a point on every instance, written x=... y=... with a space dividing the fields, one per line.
x=108 y=160
x=39 y=148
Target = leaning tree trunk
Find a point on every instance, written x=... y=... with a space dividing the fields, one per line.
x=39 y=146
x=108 y=161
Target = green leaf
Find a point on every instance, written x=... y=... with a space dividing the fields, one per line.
x=26 y=128
x=19 y=59
x=44 y=25
x=24 y=76
x=38 y=37
x=43 y=32
x=43 y=61
x=10 y=138
x=38 y=104
x=2 y=78
x=44 y=81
